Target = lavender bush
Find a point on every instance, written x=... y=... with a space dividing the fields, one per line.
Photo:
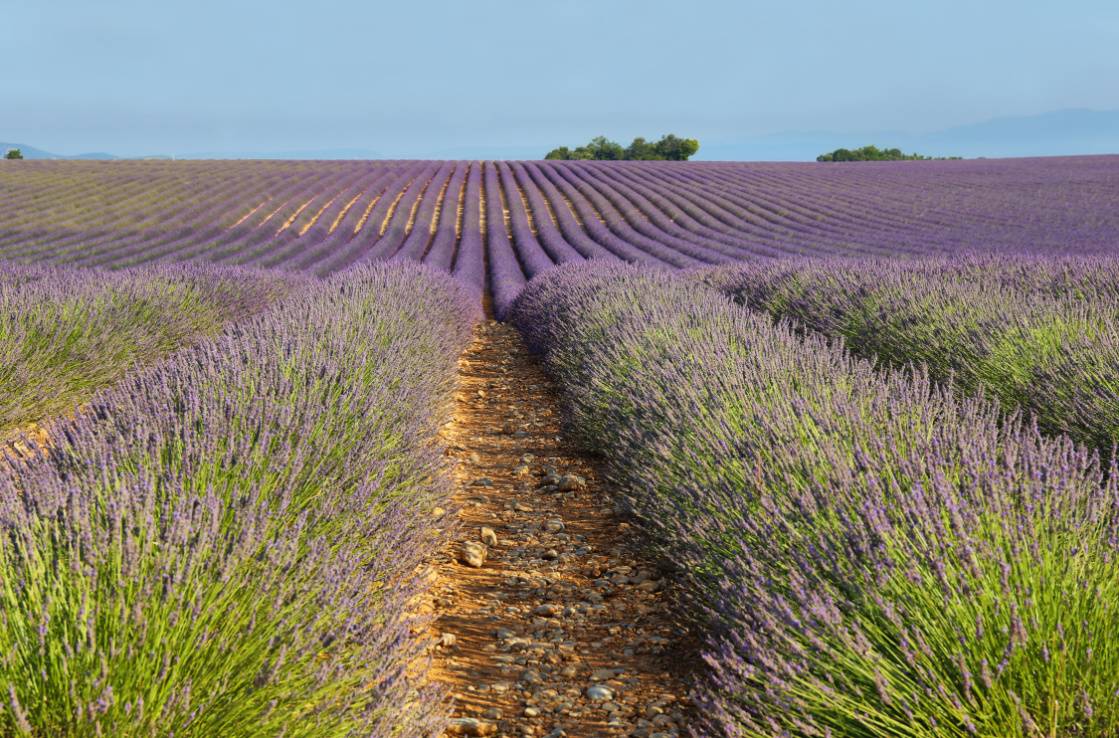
x=869 y=553
x=66 y=333
x=225 y=543
x=1036 y=333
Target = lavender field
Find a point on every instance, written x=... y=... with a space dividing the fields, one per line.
x=863 y=418
x=866 y=552
x=497 y=224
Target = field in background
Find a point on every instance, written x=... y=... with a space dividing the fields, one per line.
x=499 y=224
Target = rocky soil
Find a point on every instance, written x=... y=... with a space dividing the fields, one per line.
x=547 y=621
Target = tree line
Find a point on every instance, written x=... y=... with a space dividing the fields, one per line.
x=873 y=153
x=668 y=148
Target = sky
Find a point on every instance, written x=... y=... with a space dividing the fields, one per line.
x=429 y=78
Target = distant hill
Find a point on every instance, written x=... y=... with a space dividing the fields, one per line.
x=1060 y=132
x=1057 y=133
x=30 y=152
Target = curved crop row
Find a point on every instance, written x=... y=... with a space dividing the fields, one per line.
x=324 y=217
x=867 y=553
x=1037 y=334
x=65 y=334
x=469 y=261
x=225 y=543
x=506 y=275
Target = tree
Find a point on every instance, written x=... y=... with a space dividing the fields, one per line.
x=641 y=150
x=669 y=147
x=673 y=148
x=13 y=154
x=561 y=153
x=873 y=153
x=603 y=149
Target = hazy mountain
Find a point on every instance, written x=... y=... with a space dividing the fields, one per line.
x=1057 y=133
x=30 y=152
x=91 y=155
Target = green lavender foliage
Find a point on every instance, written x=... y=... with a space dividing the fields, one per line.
x=866 y=552
x=66 y=333
x=225 y=543
x=1037 y=334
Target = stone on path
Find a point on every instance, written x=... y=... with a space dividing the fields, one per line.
x=473 y=554
x=599 y=693
x=471 y=726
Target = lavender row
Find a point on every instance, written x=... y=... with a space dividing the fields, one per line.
x=865 y=552
x=323 y=217
x=506 y=274
x=1037 y=334
x=66 y=333
x=225 y=543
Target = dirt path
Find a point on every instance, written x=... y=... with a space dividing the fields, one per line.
x=562 y=629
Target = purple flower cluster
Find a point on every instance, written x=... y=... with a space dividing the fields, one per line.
x=1039 y=334
x=866 y=552
x=225 y=543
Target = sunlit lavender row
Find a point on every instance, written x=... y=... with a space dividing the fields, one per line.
x=1040 y=335
x=498 y=224
x=225 y=542
x=865 y=552
x=66 y=333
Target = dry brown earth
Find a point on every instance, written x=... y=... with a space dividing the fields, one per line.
x=563 y=629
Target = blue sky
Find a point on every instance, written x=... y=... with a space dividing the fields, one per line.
x=430 y=77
